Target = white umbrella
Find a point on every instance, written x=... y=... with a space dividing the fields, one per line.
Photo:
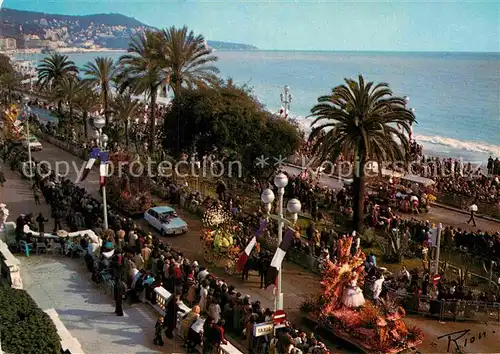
x=62 y=233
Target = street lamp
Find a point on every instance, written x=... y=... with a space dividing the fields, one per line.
x=102 y=142
x=293 y=206
x=27 y=113
x=286 y=99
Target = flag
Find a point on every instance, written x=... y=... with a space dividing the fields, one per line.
x=279 y=255
x=103 y=170
x=243 y=257
x=94 y=154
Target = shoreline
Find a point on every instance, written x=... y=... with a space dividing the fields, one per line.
x=70 y=50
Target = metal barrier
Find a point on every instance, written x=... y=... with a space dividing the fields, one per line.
x=462 y=310
x=460 y=201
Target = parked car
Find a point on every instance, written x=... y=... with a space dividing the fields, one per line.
x=165 y=220
x=35 y=145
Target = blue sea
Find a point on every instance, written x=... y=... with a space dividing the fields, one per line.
x=456 y=96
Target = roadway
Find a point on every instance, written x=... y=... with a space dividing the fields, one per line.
x=436 y=215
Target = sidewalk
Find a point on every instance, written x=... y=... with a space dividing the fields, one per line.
x=64 y=284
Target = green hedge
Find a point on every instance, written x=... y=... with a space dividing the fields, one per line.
x=25 y=328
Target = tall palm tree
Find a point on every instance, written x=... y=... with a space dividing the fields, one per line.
x=359 y=120
x=188 y=59
x=53 y=69
x=100 y=74
x=66 y=91
x=86 y=101
x=143 y=70
x=124 y=108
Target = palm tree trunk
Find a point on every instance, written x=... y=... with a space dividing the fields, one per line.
x=359 y=190
x=152 y=119
x=126 y=133
x=59 y=108
x=105 y=103
x=85 y=128
x=70 y=122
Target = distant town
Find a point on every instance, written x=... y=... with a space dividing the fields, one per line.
x=46 y=33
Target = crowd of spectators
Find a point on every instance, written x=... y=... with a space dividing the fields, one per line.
x=142 y=262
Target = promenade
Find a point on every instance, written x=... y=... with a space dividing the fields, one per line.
x=88 y=313
x=64 y=284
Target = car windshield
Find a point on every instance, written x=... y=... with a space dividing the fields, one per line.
x=168 y=215
x=33 y=139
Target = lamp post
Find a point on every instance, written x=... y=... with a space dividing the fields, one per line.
x=27 y=112
x=102 y=142
x=286 y=99
x=438 y=249
x=293 y=207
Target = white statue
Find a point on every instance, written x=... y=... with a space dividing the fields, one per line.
x=4 y=214
x=353 y=295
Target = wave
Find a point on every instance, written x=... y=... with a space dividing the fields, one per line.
x=460 y=144
x=471 y=146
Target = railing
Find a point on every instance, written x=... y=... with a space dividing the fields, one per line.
x=162 y=298
x=10 y=267
x=460 y=201
x=469 y=310
x=69 y=344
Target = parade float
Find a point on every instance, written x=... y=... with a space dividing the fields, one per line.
x=127 y=188
x=12 y=127
x=343 y=312
x=217 y=237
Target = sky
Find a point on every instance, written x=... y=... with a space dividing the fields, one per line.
x=398 y=25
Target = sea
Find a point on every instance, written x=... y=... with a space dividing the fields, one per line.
x=456 y=96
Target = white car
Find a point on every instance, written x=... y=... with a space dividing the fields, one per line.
x=165 y=220
x=35 y=145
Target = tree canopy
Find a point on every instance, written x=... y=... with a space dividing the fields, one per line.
x=5 y=65
x=359 y=121
x=227 y=119
x=24 y=327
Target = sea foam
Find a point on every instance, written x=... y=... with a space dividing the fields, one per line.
x=471 y=146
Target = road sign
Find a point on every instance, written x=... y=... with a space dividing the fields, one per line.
x=279 y=317
x=436 y=279
x=262 y=329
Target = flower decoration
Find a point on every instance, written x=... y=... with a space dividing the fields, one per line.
x=216 y=217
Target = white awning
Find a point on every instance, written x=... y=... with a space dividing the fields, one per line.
x=420 y=180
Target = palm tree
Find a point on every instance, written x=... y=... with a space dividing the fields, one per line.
x=100 y=74
x=188 y=59
x=143 y=71
x=359 y=121
x=8 y=83
x=86 y=101
x=67 y=90
x=124 y=108
x=53 y=69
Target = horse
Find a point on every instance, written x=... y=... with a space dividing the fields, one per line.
x=259 y=264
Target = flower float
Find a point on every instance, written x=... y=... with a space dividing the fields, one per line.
x=342 y=309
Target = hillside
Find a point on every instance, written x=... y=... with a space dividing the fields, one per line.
x=101 y=30
x=113 y=19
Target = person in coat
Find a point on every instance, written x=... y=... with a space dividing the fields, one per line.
x=120 y=290
x=41 y=220
x=171 y=315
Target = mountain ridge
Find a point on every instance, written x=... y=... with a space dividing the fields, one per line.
x=16 y=23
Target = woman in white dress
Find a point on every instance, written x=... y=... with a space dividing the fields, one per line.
x=353 y=295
